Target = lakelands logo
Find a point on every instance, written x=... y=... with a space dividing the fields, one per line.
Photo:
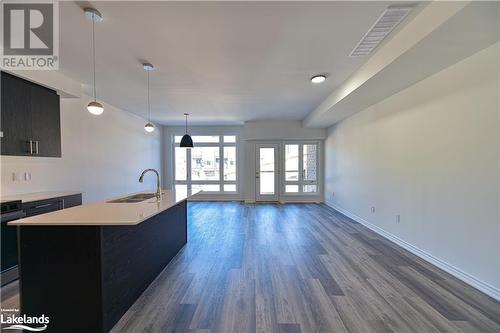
x=33 y=324
x=30 y=35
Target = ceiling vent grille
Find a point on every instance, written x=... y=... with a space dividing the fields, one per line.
x=389 y=19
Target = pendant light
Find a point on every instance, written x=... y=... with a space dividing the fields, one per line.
x=186 y=141
x=92 y=14
x=148 y=127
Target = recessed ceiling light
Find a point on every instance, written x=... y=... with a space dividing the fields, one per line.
x=318 y=78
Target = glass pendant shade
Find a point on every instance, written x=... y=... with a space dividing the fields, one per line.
x=186 y=141
x=95 y=108
x=149 y=127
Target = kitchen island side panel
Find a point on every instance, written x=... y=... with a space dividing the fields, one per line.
x=133 y=256
x=60 y=273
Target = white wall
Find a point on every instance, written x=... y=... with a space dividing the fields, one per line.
x=278 y=131
x=281 y=130
x=102 y=156
x=430 y=153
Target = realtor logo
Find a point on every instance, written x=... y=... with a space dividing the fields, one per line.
x=30 y=35
x=10 y=319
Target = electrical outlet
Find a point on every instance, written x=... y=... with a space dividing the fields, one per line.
x=398 y=218
x=373 y=209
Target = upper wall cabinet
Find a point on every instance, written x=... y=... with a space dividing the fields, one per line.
x=30 y=119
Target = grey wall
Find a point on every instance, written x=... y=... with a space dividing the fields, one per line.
x=429 y=153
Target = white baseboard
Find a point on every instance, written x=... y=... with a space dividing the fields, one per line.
x=456 y=272
x=285 y=201
x=204 y=196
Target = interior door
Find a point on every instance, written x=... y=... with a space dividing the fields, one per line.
x=267 y=172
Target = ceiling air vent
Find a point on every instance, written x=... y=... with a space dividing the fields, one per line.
x=389 y=19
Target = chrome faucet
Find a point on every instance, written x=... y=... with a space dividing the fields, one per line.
x=158 y=190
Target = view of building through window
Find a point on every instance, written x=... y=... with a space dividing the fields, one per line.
x=202 y=168
x=301 y=179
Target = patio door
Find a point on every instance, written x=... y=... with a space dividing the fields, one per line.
x=267 y=172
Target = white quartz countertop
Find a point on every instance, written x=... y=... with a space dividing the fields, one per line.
x=106 y=213
x=30 y=197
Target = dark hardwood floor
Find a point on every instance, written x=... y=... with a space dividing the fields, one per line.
x=300 y=268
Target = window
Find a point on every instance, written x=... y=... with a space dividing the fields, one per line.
x=210 y=166
x=204 y=163
x=229 y=163
x=301 y=168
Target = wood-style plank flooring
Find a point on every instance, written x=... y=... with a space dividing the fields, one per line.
x=301 y=268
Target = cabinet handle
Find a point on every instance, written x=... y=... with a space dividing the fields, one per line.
x=29 y=147
x=43 y=206
x=36 y=147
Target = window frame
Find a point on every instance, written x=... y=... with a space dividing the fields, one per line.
x=301 y=182
x=221 y=182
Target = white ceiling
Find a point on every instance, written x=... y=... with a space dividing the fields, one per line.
x=222 y=62
x=441 y=35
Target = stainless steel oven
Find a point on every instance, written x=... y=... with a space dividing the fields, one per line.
x=11 y=210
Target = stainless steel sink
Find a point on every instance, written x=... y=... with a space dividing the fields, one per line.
x=134 y=198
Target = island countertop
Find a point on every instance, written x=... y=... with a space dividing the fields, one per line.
x=107 y=213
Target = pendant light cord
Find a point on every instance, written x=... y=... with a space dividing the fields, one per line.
x=149 y=108
x=93 y=53
x=186 y=122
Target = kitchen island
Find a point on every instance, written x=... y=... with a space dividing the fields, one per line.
x=83 y=267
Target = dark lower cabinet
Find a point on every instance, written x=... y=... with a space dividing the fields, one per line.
x=49 y=205
x=9 y=243
x=30 y=118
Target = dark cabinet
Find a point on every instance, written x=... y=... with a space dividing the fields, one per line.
x=45 y=121
x=50 y=205
x=15 y=115
x=30 y=119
